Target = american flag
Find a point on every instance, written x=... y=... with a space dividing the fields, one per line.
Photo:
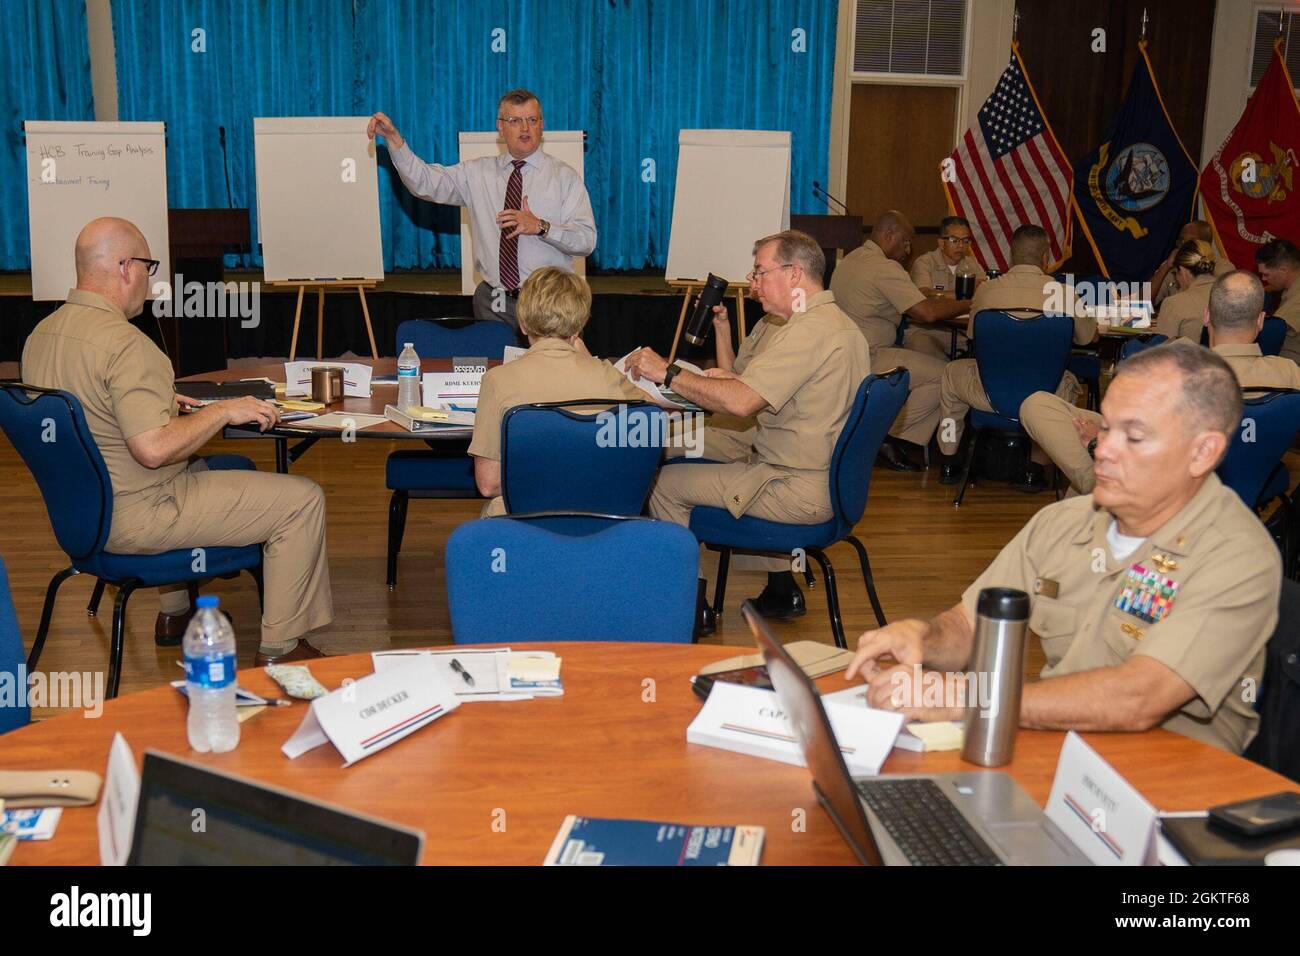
x=1010 y=171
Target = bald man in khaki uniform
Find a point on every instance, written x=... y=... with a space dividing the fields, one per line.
x=1182 y=316
x=161 y=500
x=1153 y=597
x=1025 y=286
x=554 y=306
x=800 y=387
x=1235 y=316
x=875 y=291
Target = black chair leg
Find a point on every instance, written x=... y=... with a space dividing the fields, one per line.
x=867 y=578
x=256 y=573
x=832 y=596
x=93 y=607
x=396 y=529
x=808 y=576
x=720 y=588
x=970 y=468
x=51 y=592
x=119 y=636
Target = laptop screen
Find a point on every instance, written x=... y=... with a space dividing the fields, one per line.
x=192 y=815
x=812 y=728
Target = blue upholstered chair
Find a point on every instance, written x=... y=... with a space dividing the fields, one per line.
x=1016 y=357
x=1253 y=466
x=50 y=432
x=438 y=471
x=1140 y=343
x=509 y=580
x=12 y=716
x=875 y=406
x=1271 y=335
x=554 y=458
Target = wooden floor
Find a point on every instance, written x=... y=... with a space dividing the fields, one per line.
x=923 y=553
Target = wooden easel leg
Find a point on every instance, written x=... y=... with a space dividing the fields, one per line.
x=681 y=320
x=365 y=311
x=740 y=316
x=297 y=317
x=320 y=321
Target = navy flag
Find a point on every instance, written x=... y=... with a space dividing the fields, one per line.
x=1137 y=189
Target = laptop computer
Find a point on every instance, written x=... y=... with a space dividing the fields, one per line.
x=978 y=818
x=194 y=815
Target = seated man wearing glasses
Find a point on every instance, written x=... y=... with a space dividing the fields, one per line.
x=163 y=497
x=935 y=273
x=529 y=209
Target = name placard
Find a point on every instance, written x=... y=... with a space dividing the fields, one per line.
x=1100 y=811
x=365 y=716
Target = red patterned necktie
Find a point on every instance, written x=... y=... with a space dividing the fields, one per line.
x=509 y=255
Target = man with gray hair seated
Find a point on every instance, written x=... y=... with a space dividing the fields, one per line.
x=1153 y=597
x=1235 y=316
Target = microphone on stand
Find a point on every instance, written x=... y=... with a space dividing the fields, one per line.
x=225 y=162
x=823 y=194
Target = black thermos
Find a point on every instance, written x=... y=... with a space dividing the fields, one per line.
x=701 y=320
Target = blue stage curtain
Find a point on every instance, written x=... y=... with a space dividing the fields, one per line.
x=44 y=75
x=629 y=72
x=258 y=58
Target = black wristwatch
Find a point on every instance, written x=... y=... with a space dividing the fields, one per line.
x=543 y=229
x=668 y=376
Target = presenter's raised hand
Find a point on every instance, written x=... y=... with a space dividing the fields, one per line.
x=381 y=125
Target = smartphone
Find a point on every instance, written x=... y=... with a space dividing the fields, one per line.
x=752 y=676
x=1261 y=815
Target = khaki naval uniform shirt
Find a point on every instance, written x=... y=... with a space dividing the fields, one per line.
x=1182 y=315
x=1029 y=287
x=551 y=370
x=124 y=382
x=1256 y=370
x=933 y=271
x=874 y=291
x=1212 y=632
x=1288 y=310
x=808 y=374
x=1169 y=286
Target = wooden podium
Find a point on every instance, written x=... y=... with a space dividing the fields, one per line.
x=833 y=233
x=199 y=239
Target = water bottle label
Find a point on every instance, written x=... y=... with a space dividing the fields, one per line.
x=211 y=673
x=411 y=372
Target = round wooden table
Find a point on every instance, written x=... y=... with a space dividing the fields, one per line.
x=492 y=781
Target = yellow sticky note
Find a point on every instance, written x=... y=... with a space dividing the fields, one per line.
x=938 y=734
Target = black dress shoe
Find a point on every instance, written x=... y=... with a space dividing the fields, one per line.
x=1033 y=479
x=894 y=456
x=949 y=473
x=706 y=622
x=169 y=629
x=783 y=606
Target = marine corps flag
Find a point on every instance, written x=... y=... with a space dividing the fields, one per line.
x=1249 y=187
x=1136 y=190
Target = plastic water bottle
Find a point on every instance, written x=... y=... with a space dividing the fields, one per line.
x=408 y=378
x=210 y=679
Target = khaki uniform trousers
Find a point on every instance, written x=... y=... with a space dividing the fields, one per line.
x=1050 y=422
x=936 y=343
x=799 y=498
x=201 y=508
x=920 y=413
x=962 y=390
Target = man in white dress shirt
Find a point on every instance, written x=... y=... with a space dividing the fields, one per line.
x=528 y=209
